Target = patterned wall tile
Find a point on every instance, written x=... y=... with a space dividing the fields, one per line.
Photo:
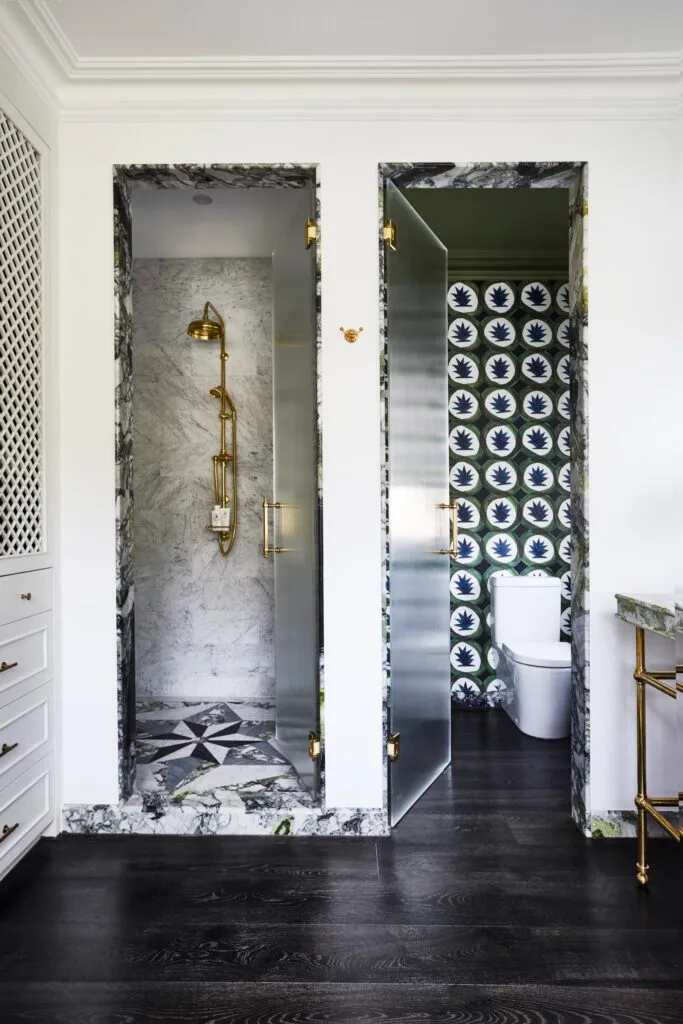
x=509 y=447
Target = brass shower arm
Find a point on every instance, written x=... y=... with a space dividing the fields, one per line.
x=210 y=306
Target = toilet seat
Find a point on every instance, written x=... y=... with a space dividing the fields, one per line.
x=541 y=654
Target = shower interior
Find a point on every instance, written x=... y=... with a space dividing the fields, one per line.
x=214 y=720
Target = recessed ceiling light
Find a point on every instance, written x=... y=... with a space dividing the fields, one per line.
x=201 y=199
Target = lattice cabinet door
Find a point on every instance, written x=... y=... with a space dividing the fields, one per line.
x=22 y=455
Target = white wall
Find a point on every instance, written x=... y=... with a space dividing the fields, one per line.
x=633 y=393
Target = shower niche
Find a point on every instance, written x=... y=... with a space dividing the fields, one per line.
x=218 y=506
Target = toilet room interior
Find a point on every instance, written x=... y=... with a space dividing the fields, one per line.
x=509 y=420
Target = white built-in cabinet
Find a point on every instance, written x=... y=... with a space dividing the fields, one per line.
x=27 y=688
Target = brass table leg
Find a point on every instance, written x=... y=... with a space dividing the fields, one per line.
x=641 y=863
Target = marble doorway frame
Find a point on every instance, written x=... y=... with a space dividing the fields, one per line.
x=193 y=176
x=572 y=176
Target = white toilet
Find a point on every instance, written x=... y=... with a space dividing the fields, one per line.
x=533 y=663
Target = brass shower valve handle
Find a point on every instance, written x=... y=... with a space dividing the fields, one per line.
x=351 y=334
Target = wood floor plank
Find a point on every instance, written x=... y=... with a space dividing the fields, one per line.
x=181 y=1003
x=485 y=906
x=362 y=954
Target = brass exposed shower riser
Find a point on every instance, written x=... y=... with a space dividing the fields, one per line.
x=224 y=524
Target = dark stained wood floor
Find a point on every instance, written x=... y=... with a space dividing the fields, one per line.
x=485 y=907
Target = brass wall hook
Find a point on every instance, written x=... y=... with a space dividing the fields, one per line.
x=351 y=334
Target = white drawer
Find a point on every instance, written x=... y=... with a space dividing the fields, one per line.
x=25 y=656
x=25 y=593
x=25 y=732
x=25 y=812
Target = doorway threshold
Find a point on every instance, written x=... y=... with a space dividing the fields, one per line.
x=213 y=768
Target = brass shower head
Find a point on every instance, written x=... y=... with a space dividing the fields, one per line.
x=207 y=329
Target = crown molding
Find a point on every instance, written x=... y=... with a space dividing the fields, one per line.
x=215 y=105
x=46 y=27
x=592 y=87
x=512 y=263
x=603 y=66
x=429 y=68
x=30 y=55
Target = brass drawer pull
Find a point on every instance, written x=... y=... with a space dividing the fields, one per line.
x=7 y=748
x=7 y=831
x=27 y=596
x=5 y=667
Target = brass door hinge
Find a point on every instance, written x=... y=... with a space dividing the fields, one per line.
x=311 y=232
x=313 y=746
x=394 y=746
x=389 y=234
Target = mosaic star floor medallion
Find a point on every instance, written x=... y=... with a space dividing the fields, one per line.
x=213 y=743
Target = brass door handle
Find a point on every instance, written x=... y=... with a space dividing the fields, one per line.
x=267 y=549
x=452 y=506
x=5 y=667
x=313 y=746
x=7 y=748
x=7 y=831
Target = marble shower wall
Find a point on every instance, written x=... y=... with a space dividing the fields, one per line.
x=123 y=426
x=203 y=622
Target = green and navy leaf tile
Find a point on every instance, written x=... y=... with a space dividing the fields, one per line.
x=536 y=296
x=463 y=332
x=500 y=368
x=466 y=621
x=500 y=403
x=501 y=476
x=499 y=331
x=563 y=333
x=464 y=404
x=537 y=404
x=465 y=477
x=500 y=296
x=536 y=333
x=463 y=297
x=463 y=369
x=465 y=440
x=509 y=377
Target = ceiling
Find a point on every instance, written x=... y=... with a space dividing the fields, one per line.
x=157 y=29
x=499 y=231
x=239 y=222
x=485 y=230
x=509 y=219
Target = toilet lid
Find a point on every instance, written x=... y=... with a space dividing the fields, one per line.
x=546 y=654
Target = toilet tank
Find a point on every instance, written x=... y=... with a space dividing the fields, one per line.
x=525 y=608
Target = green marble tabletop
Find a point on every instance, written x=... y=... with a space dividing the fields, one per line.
x=656 y=612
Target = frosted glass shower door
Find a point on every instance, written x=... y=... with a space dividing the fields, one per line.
x=420 y=703
x=295 y=473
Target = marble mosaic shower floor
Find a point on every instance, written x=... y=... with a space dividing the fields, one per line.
x=190 y=754
x=210 y=768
